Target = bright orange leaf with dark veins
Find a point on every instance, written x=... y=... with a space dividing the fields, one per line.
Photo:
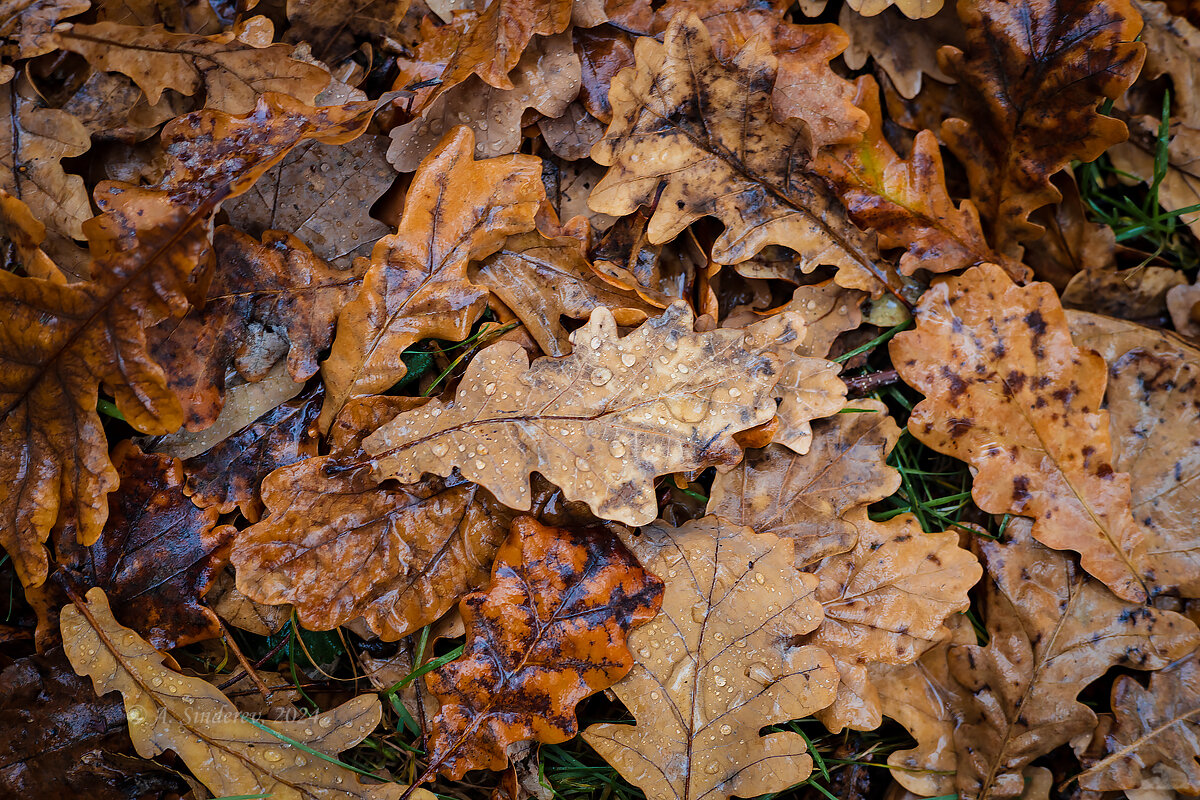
x=1008 y=392
x=549 y=631
x=59 y=342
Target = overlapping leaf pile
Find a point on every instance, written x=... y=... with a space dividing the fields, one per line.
x=523 y=362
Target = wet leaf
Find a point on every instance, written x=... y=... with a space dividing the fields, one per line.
x=28 y=25
x=1137 y=293
x=904 y=49
x=458 y=209
x=230 y=755
x=760 y=186
x=549 y=631
x=1030 y=78
x=494 y=42
x=601 y=423
x=1053 y=631
x=1009 y=393
x=717 y=665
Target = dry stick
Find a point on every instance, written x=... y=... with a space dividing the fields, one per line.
x=865 y=384
x=263 y=689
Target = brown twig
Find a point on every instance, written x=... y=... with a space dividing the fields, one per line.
x=263 y=689
x=865 y=384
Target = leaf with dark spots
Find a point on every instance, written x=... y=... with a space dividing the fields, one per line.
x=972 y=333
x=228 y=475
x=267 y=301
x=549 y=631
x=1053 y=630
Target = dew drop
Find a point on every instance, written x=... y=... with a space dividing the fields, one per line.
x=683 y=369
x=654 y=695
x=699 y=612
x=325 y=722
x=272 y=755
x=582 y=464
x=759 y=579
x=719 y=681
x=173 y=689
x=712 y=767
x=617 y=448
x=726 y=729
x=135 y=715
x=628 y=359
x=156 y=681
x=601 y=376
x=735 y=392
x=439 y=449
x=479 y=464
x=301 y=761
x=489 y=389
x=595 y=343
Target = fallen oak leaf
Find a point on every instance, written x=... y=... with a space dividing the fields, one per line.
x=549 y=631
x=1029 y=81
x=148 y=247
x=230 y=754
x=457 y=210
x=232 y=72
x=717 y=665
x=1052 y=630
x=1007 y=392
x=905 y=49
x=27 y=26
x=760 y=185
x=600 y=424
x=25 y=233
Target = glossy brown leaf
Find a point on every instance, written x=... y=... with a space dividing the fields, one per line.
x=232 y=73
x=1009 y=393
x=166 y=710
x=228 y=475
x=717 y=665
x=817 y=500
x=1030 y=79
x=1053 y=630
x=27 y=26
x=549 y=631
x=600 y=424
x=61 y=341
x=496 y=39
x=1135 y=293
x=26 y=234
x=458 y=209
x=331 y=27
x=741 y=166
x=602 y=54
x=266 y=301
x=543 y=280
x=57 y=739
x=905 y=201
x=1155 y=745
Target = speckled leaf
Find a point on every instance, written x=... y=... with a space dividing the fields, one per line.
x=549 y=631
x=717 y=665
x=494 y=42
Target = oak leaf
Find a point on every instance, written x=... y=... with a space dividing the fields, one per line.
x=905 y=201
x=1009 y=393
x=228 y=754
x=717 y=665
x=232 y=72
x=326 y=23
x=1030 y=78
x=602 y=54
x=600 y=424
x=457 y=210
x=1053 y=630
x=549 y=631
x=26 y=26
x=34 y=142
x=26 y=234
x=1155 y=744
x=61 y=341
x=322 y=194
x=546 y=80
x=905 y=49
x=1073 y=242
x=497 y=38
x=741 y=166
x=1180 y=186
x=265 y=300
x=227 y=476
x=1134 y=293
x=817 y=500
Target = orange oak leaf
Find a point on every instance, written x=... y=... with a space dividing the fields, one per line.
x=59 y=342
x=494 y=42
x=549 y=631
x=1008 y=392
x=457 y=210
x=1030 y=78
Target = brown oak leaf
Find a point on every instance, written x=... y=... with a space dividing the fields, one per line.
x=457 y=210
x=166 y=710
x=816 y=500
x=59 y=342
x=600 y=424
x=741 y=166
x=1053 y=630
x=497 y=38
x=26 y=26
x=331 y=27
x=266 y=300
x=1030 y=79
x=25 y=234
x=717 y=665
x=905 y=49
x=232 y=72
x=549 y=631
x=1009 y=393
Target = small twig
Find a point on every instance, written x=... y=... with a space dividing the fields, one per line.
x=263 y=689
x=861 y=385
x=257 y=664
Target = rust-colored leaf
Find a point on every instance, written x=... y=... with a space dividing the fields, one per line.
x=1009 y=393
x=26 y=26
x=601 y=423
x=1030 y=78
x=495 y=41
x=1053 y=630
x=458 y=210
x=741 y=166
x=717 y=665
x=549 y=631
x=59 y=342
x=231 y=72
